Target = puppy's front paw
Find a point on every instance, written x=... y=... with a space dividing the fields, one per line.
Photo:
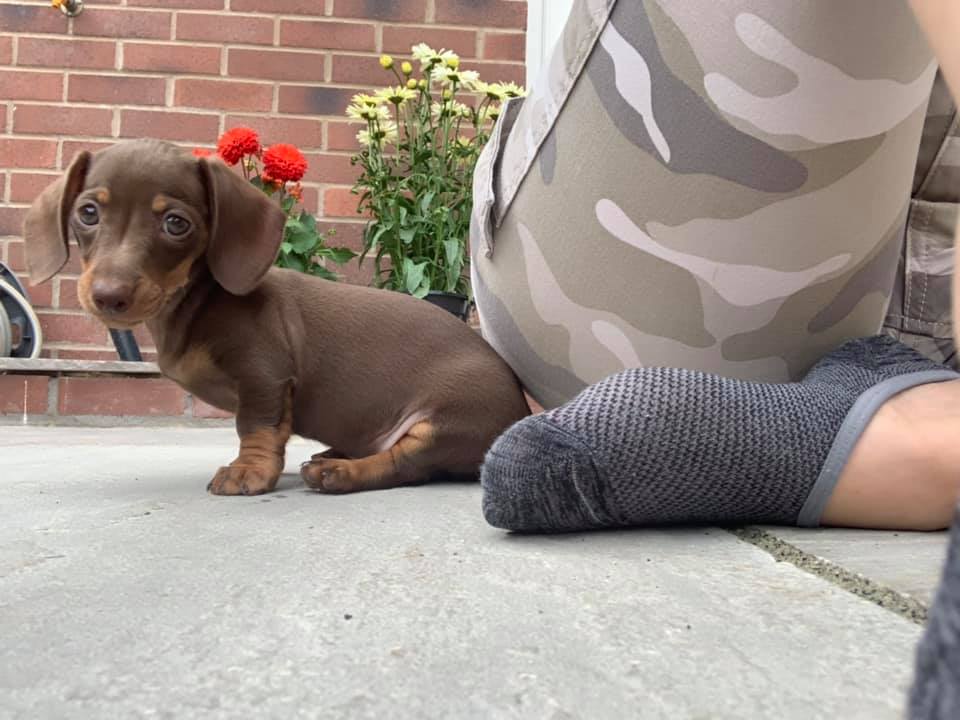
x=242 y=480
x=328 y=475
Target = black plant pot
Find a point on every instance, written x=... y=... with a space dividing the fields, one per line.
x=453 y=303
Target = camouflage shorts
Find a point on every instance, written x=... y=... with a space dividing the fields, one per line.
x=719 y=186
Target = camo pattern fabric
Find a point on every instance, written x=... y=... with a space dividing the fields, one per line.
x=720 y=186
x=920 y=309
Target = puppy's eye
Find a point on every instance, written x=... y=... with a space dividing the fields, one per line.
x=89 y=214
x=175 y=225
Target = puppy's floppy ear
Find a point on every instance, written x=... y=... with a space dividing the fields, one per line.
x=246 y=229
x=45 y=227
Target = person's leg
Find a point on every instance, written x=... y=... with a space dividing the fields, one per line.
x=936 y=688
x=714 y=186
x=659 y=445
x=690 y=218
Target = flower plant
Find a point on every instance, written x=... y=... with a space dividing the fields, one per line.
x=277 y=171
x=419 y=149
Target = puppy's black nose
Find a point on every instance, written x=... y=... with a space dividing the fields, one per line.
x=111 y=296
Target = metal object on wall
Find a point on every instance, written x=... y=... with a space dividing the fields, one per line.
x=70 y=8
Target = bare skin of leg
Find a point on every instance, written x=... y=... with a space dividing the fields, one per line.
x=410 y=460
x=904 y=473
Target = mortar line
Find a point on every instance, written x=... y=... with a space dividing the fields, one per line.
x=854 y=583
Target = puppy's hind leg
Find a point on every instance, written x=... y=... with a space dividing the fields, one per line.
x=414 y=458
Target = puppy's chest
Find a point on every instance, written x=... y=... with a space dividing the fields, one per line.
x=196 y=372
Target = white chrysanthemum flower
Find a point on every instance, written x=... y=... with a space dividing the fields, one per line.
x=512 y=90
x=494 y=91
x=449 y=109
x=396 y=95
x=384 y=134
x=461 y=78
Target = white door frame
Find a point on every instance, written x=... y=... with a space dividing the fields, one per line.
x=545 y=21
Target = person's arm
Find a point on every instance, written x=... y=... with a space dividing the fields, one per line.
x=940 y=20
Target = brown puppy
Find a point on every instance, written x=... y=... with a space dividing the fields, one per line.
x=399 y=389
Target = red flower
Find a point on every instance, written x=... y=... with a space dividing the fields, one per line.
x=202 y=152
x=236 y=143
x=284 y=163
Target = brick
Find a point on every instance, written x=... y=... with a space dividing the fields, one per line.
x=400 y=39
x=28 y=153
x=11 y=223
x=275 y=65
x=482 y=13
x=331 y=169
x=68 y=295
x=124 y=24
x=72 y=147
x=340 y=202
x=347 y=234
x=181 y=4
x=405 y=11
x=24 y=187
x=166 y=125
x=312 y=100
x=19 y=393
x=360 y=70
x=66 y=54
x=171 y=57
x=116 y=90
x=343 y=135
x=19 y=18
x=58 y=119
x=3 y=118
x=41 y=296
x=84 y=329
x=304 y=133
x=205 y=410
x=326 y=35
x=27 y=85
x=15 y=254
x=144 y=397
x=143 y=337
x=310 y=199
x=280 y=7
x=233 y=29
x=501 y=72
x=223 y=95
x=6 y=50
x=505 y=46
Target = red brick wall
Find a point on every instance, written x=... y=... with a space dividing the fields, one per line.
x=185 y=70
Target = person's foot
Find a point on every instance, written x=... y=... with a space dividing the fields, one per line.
x=658 y=445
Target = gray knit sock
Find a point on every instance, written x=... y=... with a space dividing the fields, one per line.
x=660 y=445
x=936 y=685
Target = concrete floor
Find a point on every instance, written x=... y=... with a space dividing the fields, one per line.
x=127 y=591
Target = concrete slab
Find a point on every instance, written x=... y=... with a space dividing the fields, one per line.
x=126 y=591
x=907 y=562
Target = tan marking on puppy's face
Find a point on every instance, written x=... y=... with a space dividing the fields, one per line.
x=141 y=221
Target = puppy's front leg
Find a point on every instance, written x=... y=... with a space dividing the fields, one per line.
x=264 y=421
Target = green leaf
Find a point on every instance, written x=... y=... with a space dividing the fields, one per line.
x=285 y=247
x=407 y=235
x=340 y=255
x=308 y=220
x=425 y=202
x=287 y=204
x=321 y=271
x=413 y=275
x=454 y=264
